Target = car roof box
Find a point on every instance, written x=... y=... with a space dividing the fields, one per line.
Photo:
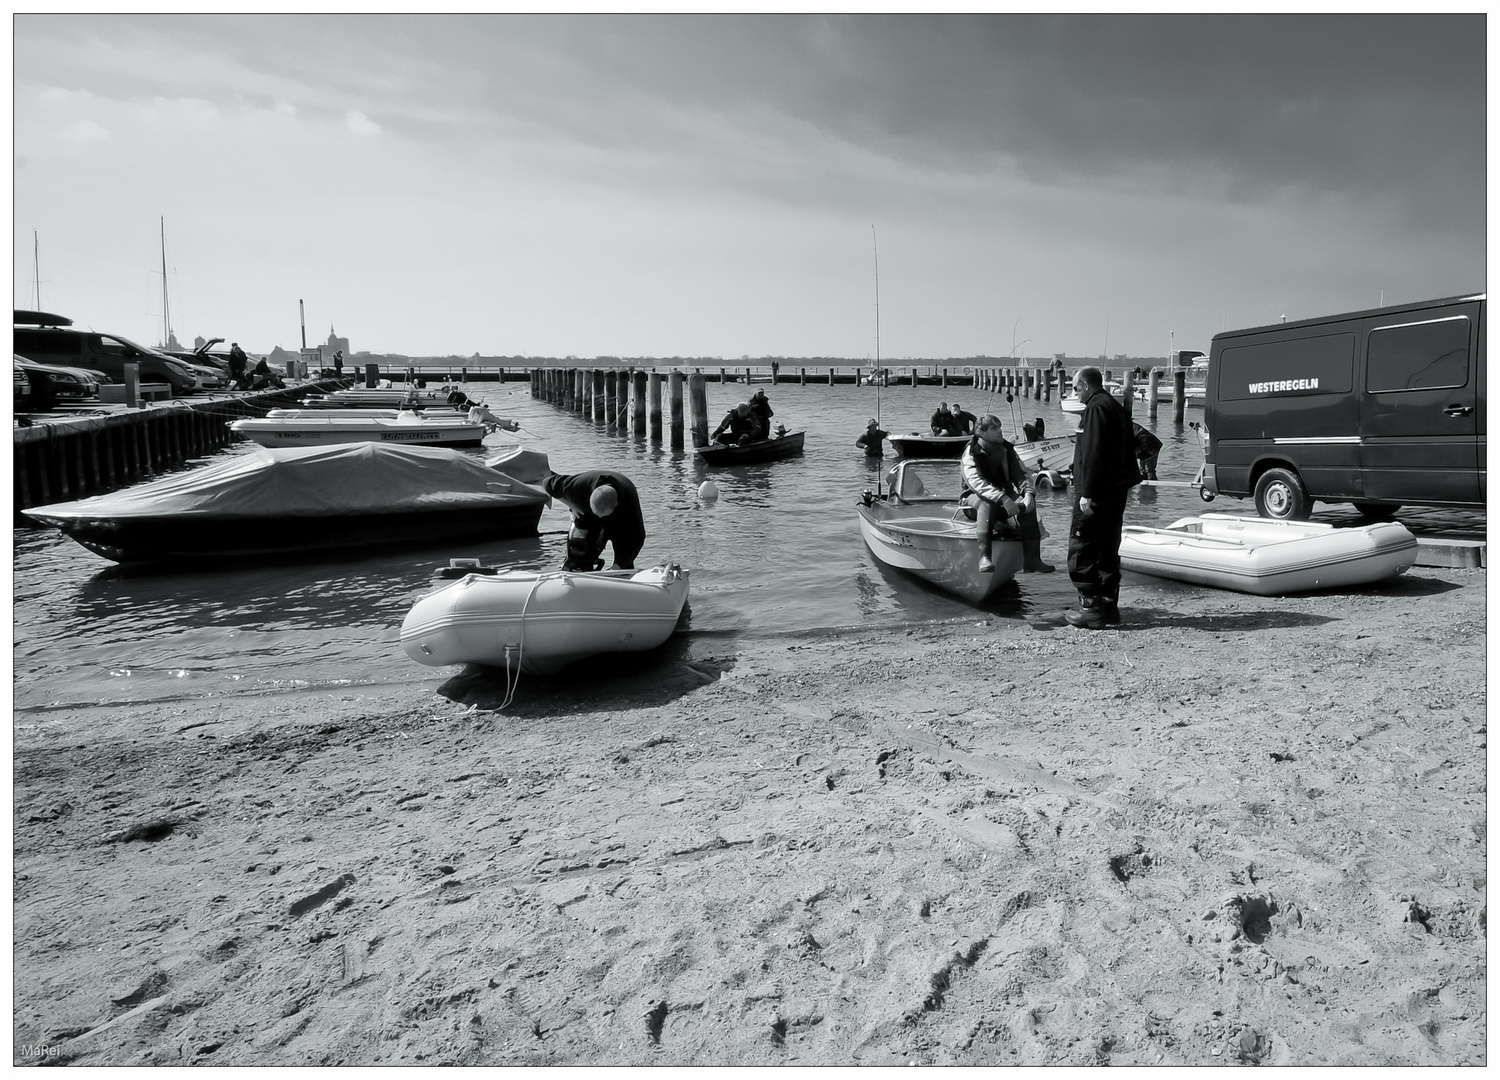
x=41 y=318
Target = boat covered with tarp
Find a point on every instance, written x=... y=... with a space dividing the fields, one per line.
x=306 y=499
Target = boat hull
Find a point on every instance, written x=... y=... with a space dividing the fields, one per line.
x=789 y=445
x=1268 y=557
x=928 y=543
x=301 y=431
x=541 y=622
x=929 y=446
x=182 y=539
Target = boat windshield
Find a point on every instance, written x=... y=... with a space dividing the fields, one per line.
x=935 y=479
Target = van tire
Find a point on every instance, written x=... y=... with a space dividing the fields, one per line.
x=1279 y=495
x=1378 y=511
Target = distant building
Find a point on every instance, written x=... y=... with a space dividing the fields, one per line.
x=335 y=343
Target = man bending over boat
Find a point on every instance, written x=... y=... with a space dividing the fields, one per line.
x=606 y=509
x=998 y=489
x=739 y=426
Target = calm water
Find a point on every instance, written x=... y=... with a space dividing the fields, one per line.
x=780 y=549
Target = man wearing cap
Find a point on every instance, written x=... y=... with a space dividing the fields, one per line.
x=606 y=509
x=739 y=426
x=761 y=407
x=873 y=439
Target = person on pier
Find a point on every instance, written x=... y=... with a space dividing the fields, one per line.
x=873 y=439
x=606 y=510
x=997 y=490
x=238 y=366
x=738 y=427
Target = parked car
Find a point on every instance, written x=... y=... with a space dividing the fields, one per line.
x=23 y=387
x=50 y=383
x=49 y=339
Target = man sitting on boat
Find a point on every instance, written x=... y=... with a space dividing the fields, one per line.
x=963 y=422
x=606 y=509
x=873 y=439
x=1035 y=431
x=739 y=426
x=998 y=490
x=761 y=407
x=942 y=420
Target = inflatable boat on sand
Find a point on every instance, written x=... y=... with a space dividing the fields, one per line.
x=1268 y=557
x=541 y=622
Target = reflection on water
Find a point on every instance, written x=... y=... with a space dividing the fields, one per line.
x=778 y=551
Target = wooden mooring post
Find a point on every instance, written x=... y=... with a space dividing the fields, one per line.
x=698 y=402
x=674 y=406
x=653 y=406
x=1153 y=385
x=1179 y=395
x=638 y=404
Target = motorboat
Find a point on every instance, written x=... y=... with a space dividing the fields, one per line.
x=1049 y=454
x=539 y=622
x=917 y=445
x=1266 y=556
x=310 y=427
x=379 y=398
x=752 y=453
x=310 y=499
x=920 y=528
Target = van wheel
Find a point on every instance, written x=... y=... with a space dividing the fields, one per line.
x=1279 y=494
x=1378 y=511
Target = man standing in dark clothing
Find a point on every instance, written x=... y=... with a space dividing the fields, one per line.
x=761 y=407
x=606 y=509
x=1104 y=471
x=238 y=362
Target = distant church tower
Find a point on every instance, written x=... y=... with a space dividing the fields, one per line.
x=336 y=342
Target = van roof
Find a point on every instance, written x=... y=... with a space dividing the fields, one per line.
x=1389 y=309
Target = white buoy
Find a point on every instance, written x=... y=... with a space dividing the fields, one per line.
x=708 y=491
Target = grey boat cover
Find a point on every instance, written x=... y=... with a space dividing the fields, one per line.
x=321 y=481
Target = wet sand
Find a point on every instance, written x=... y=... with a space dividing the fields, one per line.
x=1235 y=830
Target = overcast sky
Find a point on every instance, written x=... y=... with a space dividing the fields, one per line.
x=707 y=186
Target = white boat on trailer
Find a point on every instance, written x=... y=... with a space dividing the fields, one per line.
x=1267 y=556
x=920 y=528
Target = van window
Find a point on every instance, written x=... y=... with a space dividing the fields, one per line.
x=1419 y=356
x=47 y=343
x=1292 y=368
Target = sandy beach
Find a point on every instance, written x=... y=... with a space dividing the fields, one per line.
x=1234 y=830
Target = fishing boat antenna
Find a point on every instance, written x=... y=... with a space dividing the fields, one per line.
x=302 y=317
x=876 y=248
x=879 y=480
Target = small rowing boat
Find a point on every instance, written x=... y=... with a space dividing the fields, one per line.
x=752 y=453
x=541 y=622
x=1050 y=454
x=1266 y=556
x=920 y=528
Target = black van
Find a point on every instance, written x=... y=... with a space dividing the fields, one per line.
x=1379 y=408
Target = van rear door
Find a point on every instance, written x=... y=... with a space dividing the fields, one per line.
x=1420 y=406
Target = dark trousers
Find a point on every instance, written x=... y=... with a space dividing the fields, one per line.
x=1094 y=548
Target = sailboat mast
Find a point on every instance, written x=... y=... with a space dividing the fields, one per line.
x=36 y=271
x=166 y=309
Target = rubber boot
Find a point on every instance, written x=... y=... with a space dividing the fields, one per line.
x=1031 y=552
x=1089 y=615
x=982 y=515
